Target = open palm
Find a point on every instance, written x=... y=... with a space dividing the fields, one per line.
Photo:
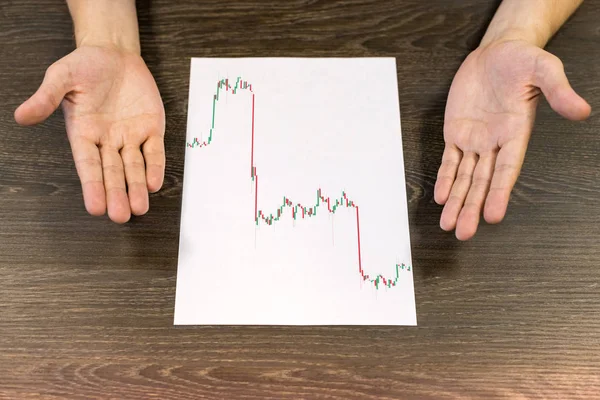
x=115 y=123
x=489 y=117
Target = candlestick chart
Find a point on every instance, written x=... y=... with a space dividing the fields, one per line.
x=289 y=208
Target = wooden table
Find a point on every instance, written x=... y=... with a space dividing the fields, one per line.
x=86 y=306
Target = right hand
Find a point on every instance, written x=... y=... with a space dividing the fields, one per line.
x=488 y=122
x=115 y=123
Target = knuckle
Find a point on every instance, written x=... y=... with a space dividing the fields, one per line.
x=442 y=178
x=498 y=189
x=130 y=146
x=505 y=167
x=447 y=163
x=556 y=62
x=52 y=70
x=155 y=157
x=464 y=176
x=135 y=183
x=56 y=70
x=112 y=187
x=112 y=168
x=454 y=198
x=548 y=62
x=88 y=162
x=480 y=183
x=134 y=164
x=471 y=204
x=90 y=181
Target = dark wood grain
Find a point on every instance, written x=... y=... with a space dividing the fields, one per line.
x=86 y=306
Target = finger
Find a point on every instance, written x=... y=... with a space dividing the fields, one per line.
x=114 y=185
x=458 y=192
x=89 y=168
x=154 y=156
x=447 y=173
x=469 y=216
x=135 y=174
x=506 y=171
x=550 y=77
x=47 y=98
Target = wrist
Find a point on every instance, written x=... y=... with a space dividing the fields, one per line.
x=520 y=20
x=536 y=37
x=517 y=26
x=533 y=21
x=114 y=40
x=106 y=23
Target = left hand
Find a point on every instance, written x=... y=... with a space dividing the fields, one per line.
x=489 y=117
x=115 y=123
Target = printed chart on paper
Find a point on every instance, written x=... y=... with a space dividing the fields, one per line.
x=294 y=202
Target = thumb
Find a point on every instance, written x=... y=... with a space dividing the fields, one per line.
x=550 y=77
x=47 y=98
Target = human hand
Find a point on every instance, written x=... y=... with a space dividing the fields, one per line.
x=489 y=117
x=115 y=123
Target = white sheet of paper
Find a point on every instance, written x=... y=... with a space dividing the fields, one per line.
x=272 y=144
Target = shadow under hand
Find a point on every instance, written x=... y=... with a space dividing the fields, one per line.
x=434 y=250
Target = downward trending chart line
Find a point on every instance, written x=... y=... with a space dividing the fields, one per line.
x=298 y=211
